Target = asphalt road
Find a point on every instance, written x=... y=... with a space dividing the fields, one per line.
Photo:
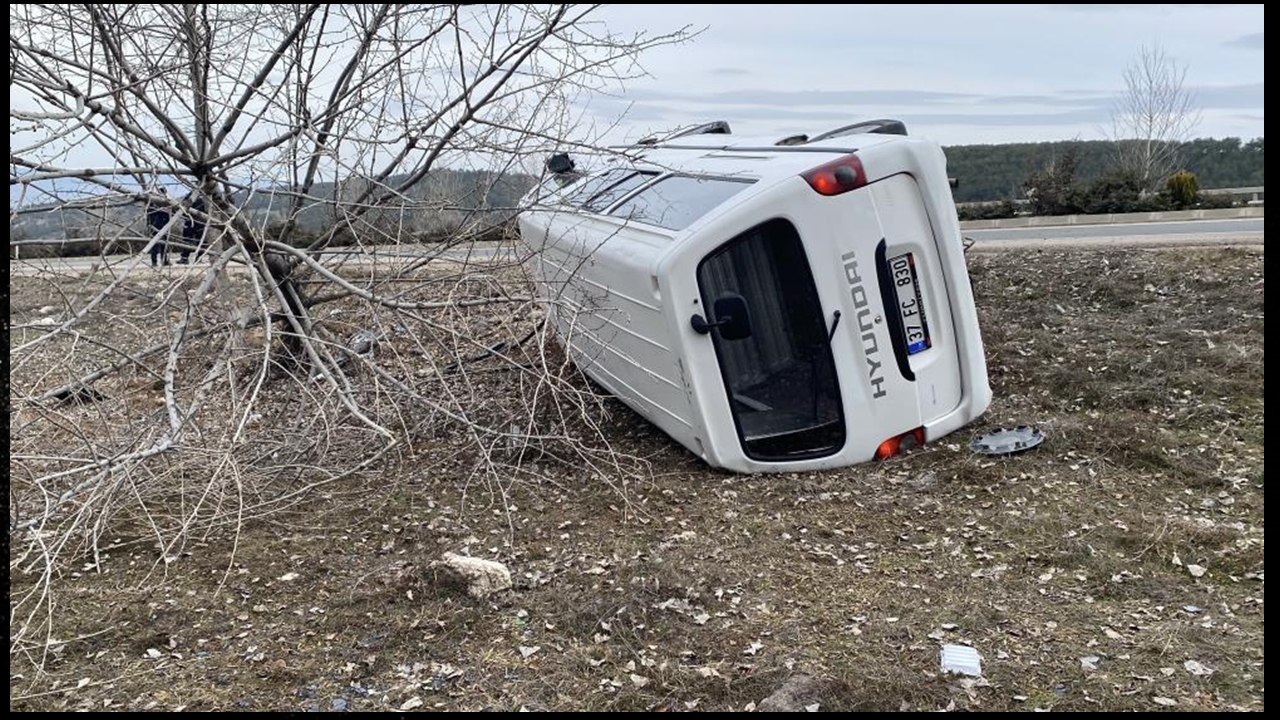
x=1242 y=226
x=1246 y=231
x=1185 y=233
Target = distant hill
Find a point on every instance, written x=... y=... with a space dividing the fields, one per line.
x=996 y=172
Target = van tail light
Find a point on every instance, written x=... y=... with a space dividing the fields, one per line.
x=900 y=443
x=838 y=176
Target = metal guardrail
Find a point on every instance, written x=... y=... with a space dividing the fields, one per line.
x=1254 y=193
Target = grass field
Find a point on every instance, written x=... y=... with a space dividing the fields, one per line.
x=1119 y=566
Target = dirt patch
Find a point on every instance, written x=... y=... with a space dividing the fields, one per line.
x=1117 y=567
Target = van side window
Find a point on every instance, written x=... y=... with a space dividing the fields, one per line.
x=585 y=189
x=677 y=201
x=617 y=191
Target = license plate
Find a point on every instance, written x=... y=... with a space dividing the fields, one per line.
x=902 y=269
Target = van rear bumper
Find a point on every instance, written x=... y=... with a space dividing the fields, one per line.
x=973 y=402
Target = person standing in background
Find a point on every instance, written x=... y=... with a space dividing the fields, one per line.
x=158 y=221
x=193 y=229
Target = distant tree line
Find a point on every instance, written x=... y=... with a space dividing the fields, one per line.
x=991 y=173
x=1048 y=178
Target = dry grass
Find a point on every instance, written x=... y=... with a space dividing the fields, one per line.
x=706 y=590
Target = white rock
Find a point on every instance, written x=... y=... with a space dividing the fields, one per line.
x=481 y=577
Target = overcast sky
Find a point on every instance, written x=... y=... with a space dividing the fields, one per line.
x=956 y=73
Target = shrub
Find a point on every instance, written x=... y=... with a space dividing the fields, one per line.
x=1183 y=189
x=1052 y=189
x=1115 y=192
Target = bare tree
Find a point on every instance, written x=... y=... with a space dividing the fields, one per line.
x=1154 y=114
x=153 y=406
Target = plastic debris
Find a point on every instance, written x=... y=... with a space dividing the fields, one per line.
x=962 y=660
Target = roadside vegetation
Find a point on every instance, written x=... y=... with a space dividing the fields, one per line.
x=1119 y=566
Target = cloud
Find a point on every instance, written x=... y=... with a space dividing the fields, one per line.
x=911 y=118
x=1162 y=8
x=794 y=98
x=1229 y=97
x=977 y=70
x=1252 y=41
x=1247 y=95
x=1083 y=116
x=813 y=118
x=1069 y=99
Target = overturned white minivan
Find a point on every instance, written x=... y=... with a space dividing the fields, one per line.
x=773 y=304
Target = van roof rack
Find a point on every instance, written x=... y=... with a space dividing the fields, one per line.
x=715 y=127
x=882 y=126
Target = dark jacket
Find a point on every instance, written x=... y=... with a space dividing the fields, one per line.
x=192 y=227
x=157 y=218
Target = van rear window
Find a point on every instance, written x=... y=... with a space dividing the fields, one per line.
x=677 y=201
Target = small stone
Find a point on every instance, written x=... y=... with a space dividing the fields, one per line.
x=797 y=694
x=1197 y=669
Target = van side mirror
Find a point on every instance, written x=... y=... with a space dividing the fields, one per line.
x=731 y=316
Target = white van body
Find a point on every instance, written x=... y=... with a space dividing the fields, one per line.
x=861 y=331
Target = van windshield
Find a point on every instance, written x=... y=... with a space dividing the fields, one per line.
x=781 y=379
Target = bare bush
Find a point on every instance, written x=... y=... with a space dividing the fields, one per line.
x=162 y=408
